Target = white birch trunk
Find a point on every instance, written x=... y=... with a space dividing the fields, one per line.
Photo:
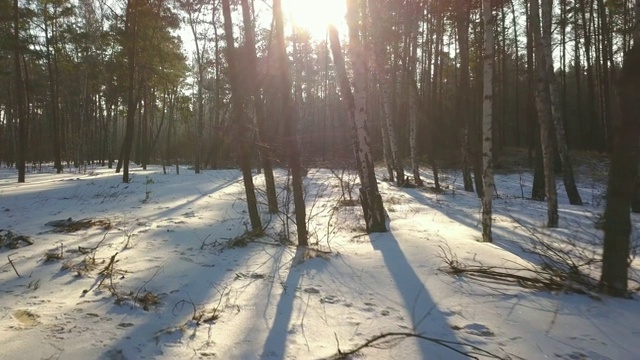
x=370 y=198
x=369 y=195
x=487 y=119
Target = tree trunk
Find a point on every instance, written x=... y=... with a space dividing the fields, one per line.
x=487 y=120
x=386 y=88
x=622 y=178
x=370 y=198
x=414 y=101
x=386 y=153
x=21 y=110
x=543 y=105
x=556 y=112
x=53 y=84
x=127 y=144
x=290 y=138
x=462 y=26
x=369 y=194
x=242 y=130
x=265 y=149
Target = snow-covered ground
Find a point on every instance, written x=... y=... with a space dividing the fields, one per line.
x=205 y=293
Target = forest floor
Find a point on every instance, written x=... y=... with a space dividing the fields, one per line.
x=162 y=268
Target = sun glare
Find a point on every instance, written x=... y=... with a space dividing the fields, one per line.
x=315 y=16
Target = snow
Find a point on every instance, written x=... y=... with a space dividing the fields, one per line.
x=177 y=240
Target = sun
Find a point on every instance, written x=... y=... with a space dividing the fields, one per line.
x=314 y=16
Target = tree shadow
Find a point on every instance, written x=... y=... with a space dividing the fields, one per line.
x=275 y=344
x=426 y=318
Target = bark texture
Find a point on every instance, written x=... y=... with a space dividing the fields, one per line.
x=370 y=198
x=487 y=120
x=543 y=106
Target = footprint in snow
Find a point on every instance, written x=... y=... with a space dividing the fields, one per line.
x=475 y=329
x=26 y=318
x=329 y=299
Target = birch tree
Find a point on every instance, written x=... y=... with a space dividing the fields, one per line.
x=487 y=120
x=370 y=198
x=369 y=195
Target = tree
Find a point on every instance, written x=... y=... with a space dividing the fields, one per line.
x=290 y=140
x=487 y=120
x=543 y=105
x=49 y=21
x=258 y=105
x=554 y=103
x=381 y=32
x=370 y=198
x=131 y=36
x=239 y=118
x=463 y=8
x=622 y=174
x=21 y=109
x=194 y=10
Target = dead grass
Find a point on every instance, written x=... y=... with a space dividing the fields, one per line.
x=82 y=224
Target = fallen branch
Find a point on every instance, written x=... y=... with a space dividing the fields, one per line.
x=108 y=270
x=544 y=278
x=381 y=339
x=11 y=262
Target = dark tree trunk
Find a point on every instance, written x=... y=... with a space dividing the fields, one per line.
x=242 y=130
x=265 y=149
x=290 y=139
x=21 y=111
x=462 y=21
x=55 y=124
x=543 y=104
x=537 y=189
x=127 y=144
x=622 y=179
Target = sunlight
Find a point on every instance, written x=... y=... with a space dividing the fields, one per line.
x=315 y=15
